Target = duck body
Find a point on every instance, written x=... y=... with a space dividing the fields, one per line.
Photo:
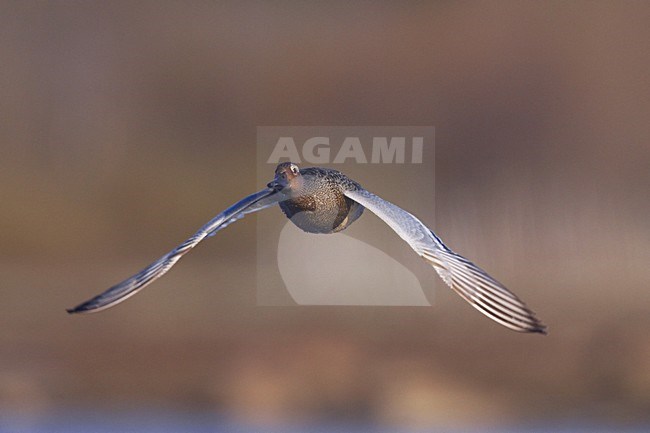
x=317 y=203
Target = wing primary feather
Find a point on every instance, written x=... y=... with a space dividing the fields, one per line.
x=487 y=295
x=129 y=287
x=472 y=283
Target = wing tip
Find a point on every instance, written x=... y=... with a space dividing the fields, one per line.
x=86 y=307
x=78 y=309
x=539 y=329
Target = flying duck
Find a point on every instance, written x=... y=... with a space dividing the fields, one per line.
x=322 y=200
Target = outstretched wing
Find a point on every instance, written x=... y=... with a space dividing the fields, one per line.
x=472 y=283
x=127 y=288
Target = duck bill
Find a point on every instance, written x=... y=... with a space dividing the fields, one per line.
x=277 y=184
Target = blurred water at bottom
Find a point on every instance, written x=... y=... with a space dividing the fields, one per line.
x=144 y=421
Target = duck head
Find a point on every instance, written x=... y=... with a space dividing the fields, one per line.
x=287 y=175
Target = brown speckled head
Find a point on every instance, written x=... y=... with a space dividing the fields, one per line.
x=289 y=169
x=287 y=174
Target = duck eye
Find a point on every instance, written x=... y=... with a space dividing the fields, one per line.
x=294 y=170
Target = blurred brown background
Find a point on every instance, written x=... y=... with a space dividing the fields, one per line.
x=124 y=126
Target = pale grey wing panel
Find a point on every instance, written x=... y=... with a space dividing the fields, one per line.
x=127 y=288
x=472 y=283
x=407 y=226
x=257 y=206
